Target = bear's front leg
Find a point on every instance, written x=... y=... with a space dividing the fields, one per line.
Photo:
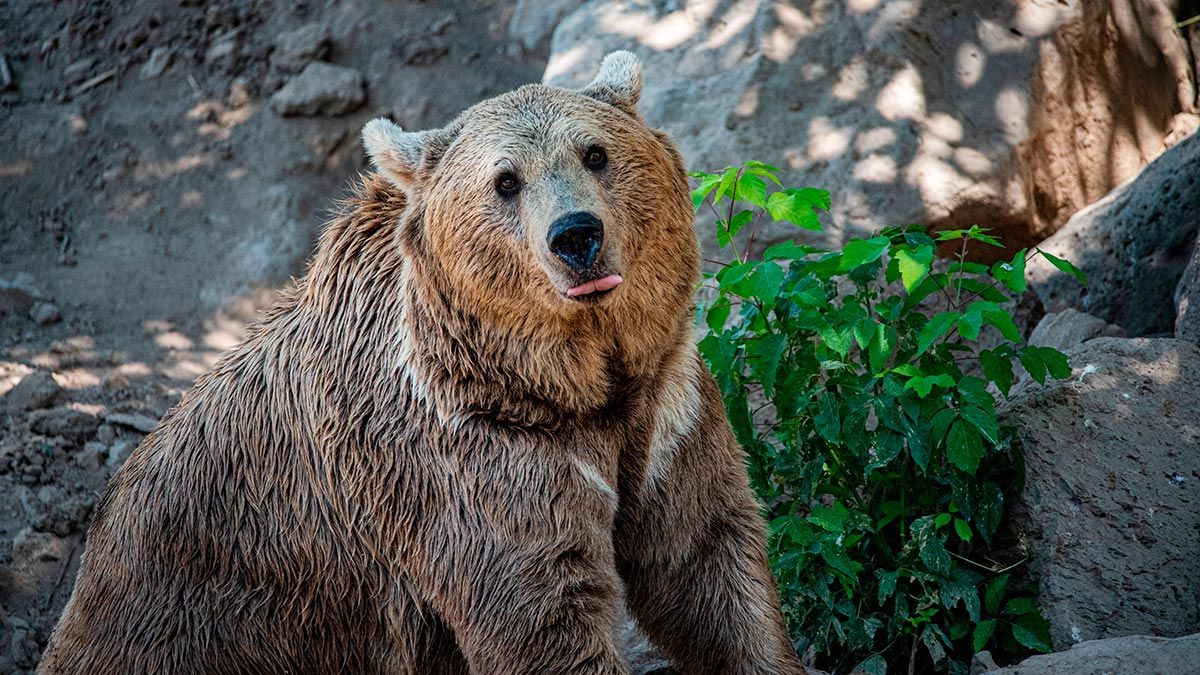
x=692 y=550
x=519 y=562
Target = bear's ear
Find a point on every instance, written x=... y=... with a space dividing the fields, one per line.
x=619 y=82
x=395 y=153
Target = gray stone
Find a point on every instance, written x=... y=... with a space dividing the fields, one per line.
x=36 y=390
x=63 y=421
x=156 y=64
x=44 y=313
x=321 y=89
x=533 y=21
x=1133 y=246
x=1187 y=301
x=17 y=296
x=1112 y=491
x=138 y=421
x=1132 y=655
x=119 y=451
x=92 y=456
x=1071 y=328
x=295 y=49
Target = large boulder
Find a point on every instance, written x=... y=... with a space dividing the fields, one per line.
x=1133 y=246
x=1112 y=492
x=948 y=113
x=1187 y=299
x=1070 y=328
x=1137 y=654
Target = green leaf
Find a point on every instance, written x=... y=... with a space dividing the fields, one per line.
x=872 y=665
x=962 y=529
x=707 y=183
x=961 y=588
x=969 y=324
x=888 y=445
x=1021 y=605
x=914 y=265
x=827 y=422
x=1003 y=322
x=798 y=207
x=982 y=634
x=1012 y=273
x=998 y=369
x=984 y=421
x=934 y=329
x=980 y=234
x=789 y=250
x=993 y=593
x=1031 y=358
x=1066 y=266
x=762 y=284
x=1029 y=639
x=764 y=354
x=964 y=447
x=862 y=251
x=887 y=585
x=838 y=560
x=727 y=180
x=1055 y=361
x=832 y=518
x=732 y=274
x=924 y=384
x=752 y=189
x=718 y=314
x=941 y=520
x=930 y=548
x=989 y=506
x=880 y=348
x=838 y=341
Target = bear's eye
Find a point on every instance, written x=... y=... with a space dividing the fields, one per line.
x=507 y=184
x=595 y=158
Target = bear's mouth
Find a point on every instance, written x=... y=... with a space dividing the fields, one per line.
x=590 y=291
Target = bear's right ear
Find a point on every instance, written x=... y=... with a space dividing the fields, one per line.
x=395 y=153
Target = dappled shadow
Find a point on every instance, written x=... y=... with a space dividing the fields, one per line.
x=945 y=113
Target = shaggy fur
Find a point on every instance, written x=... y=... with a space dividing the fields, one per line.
x=425 y=459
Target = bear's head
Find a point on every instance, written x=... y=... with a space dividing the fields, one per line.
x=550 y=212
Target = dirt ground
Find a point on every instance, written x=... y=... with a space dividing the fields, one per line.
x=150 y=199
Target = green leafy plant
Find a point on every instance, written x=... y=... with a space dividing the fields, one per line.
x=873 y=443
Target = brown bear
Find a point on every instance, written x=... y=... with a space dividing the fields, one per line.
x=465 y=440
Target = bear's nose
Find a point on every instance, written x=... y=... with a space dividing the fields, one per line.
x=575 y=239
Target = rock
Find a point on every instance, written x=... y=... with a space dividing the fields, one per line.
x=223 y=53
x=982 y=662
x=297 y=48
x=945 y=113
x=75 y=72
x=138 y=421
x=321 y=89
x=421 y=49
x=36 y=390
x=119 y=451
x=63 y=421
x=156 y=64
x=92 y=456
x=1071 y=328
x=1133 y=246
x=1112 y=491
x=39 y=546
x=44 y=313
x=1115 y=656
x=17 y=295
x=533 y=23
x=1187 y=300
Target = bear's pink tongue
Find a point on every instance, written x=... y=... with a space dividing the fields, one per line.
x=602 y=284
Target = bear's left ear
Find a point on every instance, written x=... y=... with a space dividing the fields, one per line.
x=618 y=82
x=395 y=153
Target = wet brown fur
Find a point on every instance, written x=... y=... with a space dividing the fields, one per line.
x=425 y=460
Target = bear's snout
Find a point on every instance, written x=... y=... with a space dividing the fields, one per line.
x=576 y=239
